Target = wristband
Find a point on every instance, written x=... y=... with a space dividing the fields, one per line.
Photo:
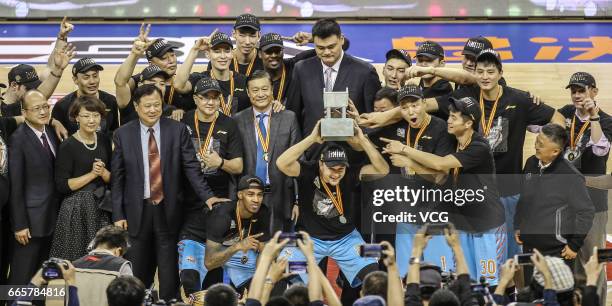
x=222 y=162
x=62 y=38
x=594 y=119
x=55 y=75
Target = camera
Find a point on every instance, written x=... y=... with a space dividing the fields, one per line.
x=371 y=250
x=436 y=229
x=292 y=236
x=152 y=299
x=604 y=255
x=297 y=267
x=523 y=259
x=51 y=268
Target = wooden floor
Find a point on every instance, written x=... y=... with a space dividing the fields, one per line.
x=546 y=80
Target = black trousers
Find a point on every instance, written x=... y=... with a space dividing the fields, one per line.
x=155 y=246
x=27 y=259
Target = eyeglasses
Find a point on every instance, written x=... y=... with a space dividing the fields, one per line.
x=38 y=108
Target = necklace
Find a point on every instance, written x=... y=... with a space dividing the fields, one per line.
x=82 y=140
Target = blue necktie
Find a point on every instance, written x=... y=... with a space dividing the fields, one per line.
x=261 y=168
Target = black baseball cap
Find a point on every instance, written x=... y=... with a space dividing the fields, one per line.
x=205 y=85
x=489 y=54
x=334 y=155
x=151 y=71
x=158 y=48
x=24 y=75
x=270 y=40
x=430 y=49
x=399 y=54
x=409 y=90
x=475 y=45
x=430 y=276
x=250 y=182
x=467 y=106
x=247 y=21
x=220 y=38
x=581 y=79
x=85 y=64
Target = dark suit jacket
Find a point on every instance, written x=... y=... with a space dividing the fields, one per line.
x=284 y=133
x=34 y=201
x=177 y=158
x=305 y=95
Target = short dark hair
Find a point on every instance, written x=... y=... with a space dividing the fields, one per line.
x=89 y=103
x=325 y=28
x=444 y=297
x=453 y=109
x=258 y=74
x=388 y=93
x=375 y=283
x=220 y=295
x=278 y=301
x=145 y=90
x=125 y=291
x=112 y=236
x=556 y=134
x=488 y=61
x=297 y=294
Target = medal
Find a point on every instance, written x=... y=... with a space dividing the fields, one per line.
x=460 y=147
x=572 y=152
x=337 y=200
x=265 y=142
x=419 y=134
x=486 y=126
x=204 y=146
x=244 y=258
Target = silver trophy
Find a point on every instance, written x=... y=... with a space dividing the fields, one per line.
x=336 y=126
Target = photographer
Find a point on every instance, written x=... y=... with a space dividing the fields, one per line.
x=41 y=279
x=461 y=287
x=125 y=291
x=543 y=271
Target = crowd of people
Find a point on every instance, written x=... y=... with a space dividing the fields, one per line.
x=187 y=179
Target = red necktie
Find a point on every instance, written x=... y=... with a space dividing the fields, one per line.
x=155 y=178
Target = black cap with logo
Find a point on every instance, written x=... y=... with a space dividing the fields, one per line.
x=475 y=45
x=270 y=40
x=409 y=91
x=205 y=85
x=24 y=75
x=250 y=182
x=467 y=106
x=220 y=38
x=581 y=79
x=430 y=49
x=399 y=54
x=247 y=21
x=151 y=71
x=334 y=155
x=85 y=64
x=158 y=48
x=489 y=54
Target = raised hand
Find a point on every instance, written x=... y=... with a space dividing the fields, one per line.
x=65 y=29
x=62 y=57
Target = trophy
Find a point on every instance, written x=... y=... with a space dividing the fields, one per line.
x=334 y=128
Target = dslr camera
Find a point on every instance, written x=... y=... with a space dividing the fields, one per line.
x=51 y=268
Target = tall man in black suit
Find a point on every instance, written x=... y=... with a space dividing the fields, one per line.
x=332 y=70
x=34 y=202
x=266 y=134
x=150 y=157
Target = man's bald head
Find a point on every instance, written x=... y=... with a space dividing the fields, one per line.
x=32 y=96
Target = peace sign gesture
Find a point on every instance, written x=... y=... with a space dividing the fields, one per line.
x=203 y=44
x=142 y=42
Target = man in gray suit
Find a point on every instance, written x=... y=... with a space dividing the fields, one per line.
x=266 y=134
x=332 y=70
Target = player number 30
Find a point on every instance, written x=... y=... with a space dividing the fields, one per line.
x=488 y=267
